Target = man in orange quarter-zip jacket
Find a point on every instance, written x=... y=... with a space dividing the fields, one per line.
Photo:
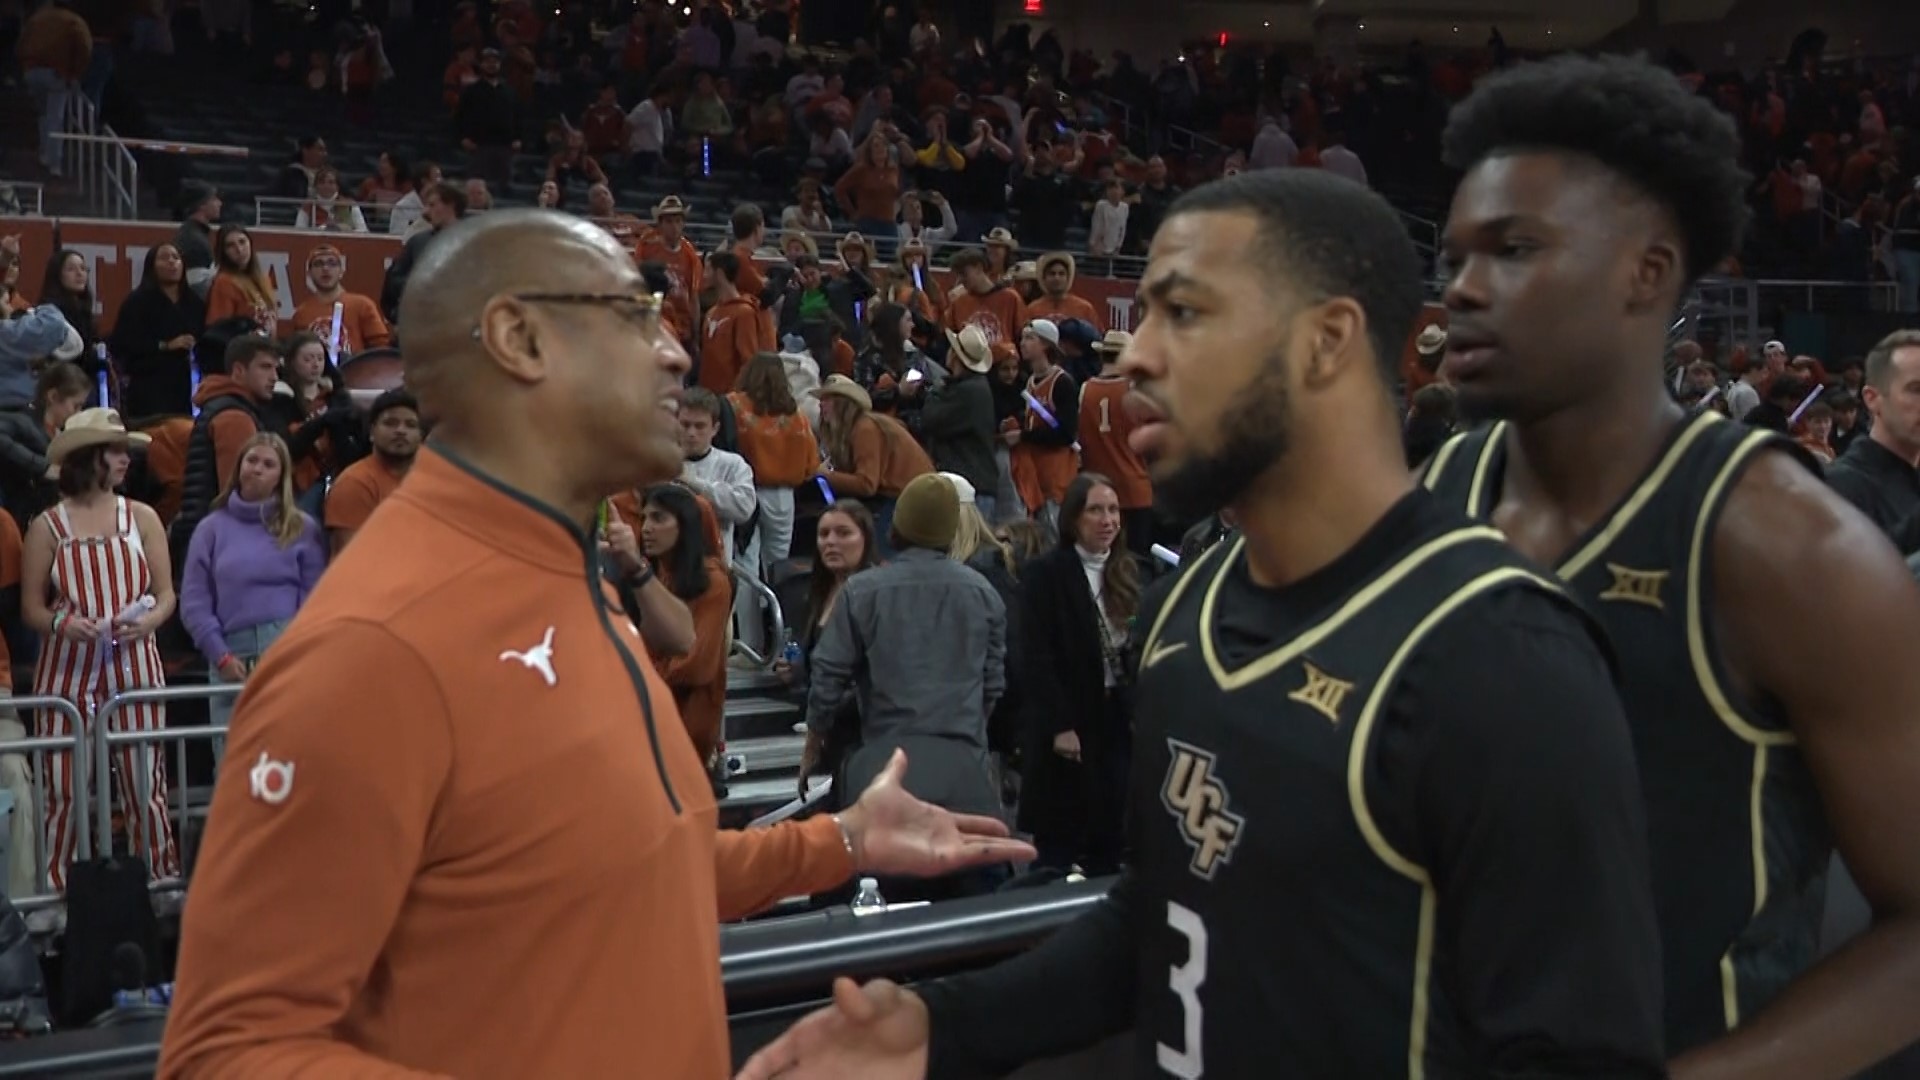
x=460 y=830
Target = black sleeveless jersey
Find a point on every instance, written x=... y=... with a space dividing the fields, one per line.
x=1738 y=836
x=1283 y=931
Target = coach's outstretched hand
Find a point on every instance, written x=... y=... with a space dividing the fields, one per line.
x=896 y=834
x=872 y=1032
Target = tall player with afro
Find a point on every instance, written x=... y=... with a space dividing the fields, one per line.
x=1596 y=193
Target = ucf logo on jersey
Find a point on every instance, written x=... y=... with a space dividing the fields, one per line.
x=1197 y=799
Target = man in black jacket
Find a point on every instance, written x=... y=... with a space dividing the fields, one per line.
x=442 y=205
x=1880 y=474
x=957 y=420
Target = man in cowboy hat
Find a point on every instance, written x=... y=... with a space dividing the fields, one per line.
x=957 y=419
x=555 y=387
x=1057 y=300
x=1103 y=431
x=667 y=245
x=1429 y=346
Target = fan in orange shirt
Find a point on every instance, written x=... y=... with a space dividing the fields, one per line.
x=665 y=244
x=1104 y=427
x=361 y=325
x=1057 y=301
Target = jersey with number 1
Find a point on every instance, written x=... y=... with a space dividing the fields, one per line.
x=1283 y=935
x=1104 y=427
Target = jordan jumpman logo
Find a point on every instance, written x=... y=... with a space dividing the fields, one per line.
x=539 y=658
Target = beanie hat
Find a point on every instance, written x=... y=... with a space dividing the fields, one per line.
x=962 y=487
x=927 y=512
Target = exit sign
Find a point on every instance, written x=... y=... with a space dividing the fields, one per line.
x=1032 y=7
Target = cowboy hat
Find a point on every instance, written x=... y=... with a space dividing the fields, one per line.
x=806 y=242
x=854 y=240
x=1027 y=270
x=1431 y=340
x=1115 y=341
x=93 y=427
x=976 y=355
x=1000 y=237
x=842 y=387
x=671 y=206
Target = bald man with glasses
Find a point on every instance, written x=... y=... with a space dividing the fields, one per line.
x=461 y=830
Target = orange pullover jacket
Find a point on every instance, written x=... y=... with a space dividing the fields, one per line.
x=460 y=830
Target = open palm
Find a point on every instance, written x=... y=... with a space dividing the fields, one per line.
x=903 y=836
x=872 y=1032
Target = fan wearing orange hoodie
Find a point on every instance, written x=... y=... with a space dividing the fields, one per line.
x=733 y=330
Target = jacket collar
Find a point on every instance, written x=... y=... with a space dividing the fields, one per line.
x=519 y=526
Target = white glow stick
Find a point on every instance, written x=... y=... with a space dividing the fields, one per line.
x=1039 y=409
x=333 y=336
x=1706 y=399
x=1808 y=400
x=1165 y=554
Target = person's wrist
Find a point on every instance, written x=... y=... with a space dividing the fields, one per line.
x=852 y=823
x=640 y=576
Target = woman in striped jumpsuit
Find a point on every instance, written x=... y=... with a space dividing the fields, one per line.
x=96 y=582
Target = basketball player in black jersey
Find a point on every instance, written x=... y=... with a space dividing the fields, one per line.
x=1384 y=821
x=1596 y=192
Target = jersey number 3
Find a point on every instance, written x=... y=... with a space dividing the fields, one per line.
x=1185 y=981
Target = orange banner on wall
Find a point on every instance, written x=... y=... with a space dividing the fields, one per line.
x=116 y=250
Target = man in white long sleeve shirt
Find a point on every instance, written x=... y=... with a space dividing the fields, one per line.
x=913 y=220
x=1109 y=228
x=721 y=477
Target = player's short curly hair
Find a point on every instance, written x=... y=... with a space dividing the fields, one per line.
x=1638 y=120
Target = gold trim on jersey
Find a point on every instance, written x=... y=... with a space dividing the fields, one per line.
x=1730 y=714
x=1274 y=659
x=1643 y=493
x=1437 y=464
x=1150 y=648
x=1357 y=790
x=1496 y=436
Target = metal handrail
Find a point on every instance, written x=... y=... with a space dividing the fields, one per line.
x=762 y=965
x=31 y=196
x=281 y=212
x=106 y=739
x=109 y=176
x=759 y=588
x=708 y=236
x=74 y=744
x=1885 y=290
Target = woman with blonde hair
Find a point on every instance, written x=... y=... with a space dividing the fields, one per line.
x=974 y=542
x=778 y=444
x=240 y=286
x=253 y=560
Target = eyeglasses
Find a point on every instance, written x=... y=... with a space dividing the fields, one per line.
x=642 y=310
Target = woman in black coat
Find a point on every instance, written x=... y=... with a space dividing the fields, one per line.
x=154 y=337
x=1077 y=604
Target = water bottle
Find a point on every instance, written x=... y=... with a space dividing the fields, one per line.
x=868 y=900
x=791 y=652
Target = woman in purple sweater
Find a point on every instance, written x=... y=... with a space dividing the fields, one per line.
x=250 y=565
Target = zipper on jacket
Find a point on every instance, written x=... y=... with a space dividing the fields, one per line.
x=595 y=588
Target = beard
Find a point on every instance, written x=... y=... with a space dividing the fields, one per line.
x=1255 y=433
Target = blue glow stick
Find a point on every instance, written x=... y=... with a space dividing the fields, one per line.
x=1795 y=418
x=826 y=489
x=706 y=156
x=1039 y=409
